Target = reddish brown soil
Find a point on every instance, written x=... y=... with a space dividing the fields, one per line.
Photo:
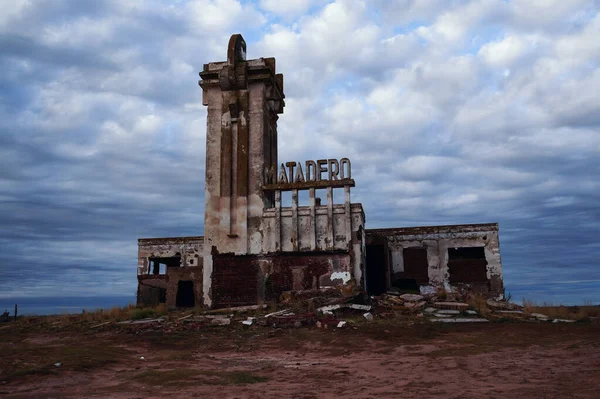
x=379 y=360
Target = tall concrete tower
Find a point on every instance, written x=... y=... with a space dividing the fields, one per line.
x=244 y=98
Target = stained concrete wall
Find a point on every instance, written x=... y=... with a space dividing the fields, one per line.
x=316 y=229
x=437 y=240
x=244 y=98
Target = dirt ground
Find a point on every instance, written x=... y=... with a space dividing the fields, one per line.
x=375 y=360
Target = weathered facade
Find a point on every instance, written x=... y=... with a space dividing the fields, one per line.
x=170 y=271
x=253 y=247
x=458 y=256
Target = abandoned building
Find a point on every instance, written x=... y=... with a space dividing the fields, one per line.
x=254 y=248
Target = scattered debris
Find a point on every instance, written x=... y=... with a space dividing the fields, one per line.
x=142 y=358
x=515 y=312
x=502 y=305
x=470 y=312
x=185 y=317
x=341 y=324
x=142 y=321
x=461 y=320
x=100 y=325
x=57 y=364
x=368 y=316
x=280 y=312
x=562 y=321
x=415 y=305
x=237 y=309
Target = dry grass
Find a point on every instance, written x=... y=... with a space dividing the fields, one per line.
x=479 y=303
x=562 y=312
x=441 y=294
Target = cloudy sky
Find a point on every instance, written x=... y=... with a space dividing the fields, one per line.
x=451 y=112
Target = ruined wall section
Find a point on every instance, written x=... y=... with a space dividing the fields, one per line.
x=437 y=240
x=188 y=249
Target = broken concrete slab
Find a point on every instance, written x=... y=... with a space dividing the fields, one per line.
x=142 y=321
x=470 y=312
x=512 y=312
x=411 y=297
x=563 y=321
x=502 y=305
x=368 y=316
x=329 y=309
x=359 y=307
x=441 y=315
x=451 y=305
x=278 y=313
x=539 y=316
x=427 y=290
x=100 y=325
x=341 y=324
x=223 y=321
x=448 y=311
x=429 y=310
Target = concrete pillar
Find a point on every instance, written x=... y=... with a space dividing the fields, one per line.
x=243 y=98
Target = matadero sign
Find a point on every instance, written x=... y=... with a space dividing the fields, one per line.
x=315 y=174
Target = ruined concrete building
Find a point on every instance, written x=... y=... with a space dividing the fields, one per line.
x=254 y=248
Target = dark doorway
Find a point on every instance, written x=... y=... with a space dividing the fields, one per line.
x=185 y=294
x=416 y=265
x=467 y=265
x=406 y=285
x=377 y=264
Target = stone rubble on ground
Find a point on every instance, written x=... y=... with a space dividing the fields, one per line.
x=461 y=320
x=411 y=297
x=327 y=311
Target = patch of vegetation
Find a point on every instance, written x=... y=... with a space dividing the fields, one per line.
x=580 y=313
x=244 y=377
x=193 y=376
x=54 y=359
x=143 y=313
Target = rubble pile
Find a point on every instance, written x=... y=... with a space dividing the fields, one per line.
x=331 y=308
